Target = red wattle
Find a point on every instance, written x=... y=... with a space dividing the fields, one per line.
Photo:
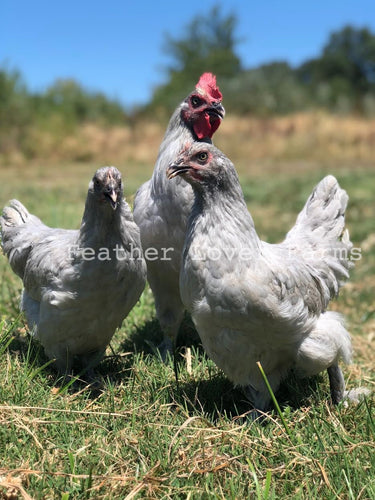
x=204 y=128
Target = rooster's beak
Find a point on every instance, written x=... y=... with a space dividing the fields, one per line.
x=217 y=109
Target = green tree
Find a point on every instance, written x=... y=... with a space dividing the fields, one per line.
x=76 y=104
x=350 y=54
x=345 y=71
x=265 y=90
x=15 y=110
x=208 y=44
x=14 y=99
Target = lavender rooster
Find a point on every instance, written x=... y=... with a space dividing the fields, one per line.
x=161 y=209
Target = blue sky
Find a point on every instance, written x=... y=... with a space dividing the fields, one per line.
x=116 y=46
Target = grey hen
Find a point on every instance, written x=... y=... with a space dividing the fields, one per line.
x=161 y=209
x=252 y=301
x=79 y=285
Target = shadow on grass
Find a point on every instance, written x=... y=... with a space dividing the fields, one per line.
x=217 y=397
x=147 y=338
x=31 y=354
x=113 y=368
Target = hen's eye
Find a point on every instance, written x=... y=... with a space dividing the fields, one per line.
x=202 y=156
x=97 y=183
x=196 y=101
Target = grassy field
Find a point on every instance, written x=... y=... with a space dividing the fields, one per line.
x=142 y=434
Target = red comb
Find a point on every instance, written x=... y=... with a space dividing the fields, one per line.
x=207 y=84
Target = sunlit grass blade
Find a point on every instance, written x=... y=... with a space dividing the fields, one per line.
x=274 y=400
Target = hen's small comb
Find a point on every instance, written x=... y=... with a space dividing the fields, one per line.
x=187 y=146
x=207 y=85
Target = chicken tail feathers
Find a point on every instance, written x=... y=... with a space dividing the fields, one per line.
x=15 y=214
x=320 y=235
x=327 y=344
x=324 y=212
x=16 y=225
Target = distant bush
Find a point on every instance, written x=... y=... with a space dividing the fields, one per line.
x=63 y=107
x=15 y=110
x=269 y=89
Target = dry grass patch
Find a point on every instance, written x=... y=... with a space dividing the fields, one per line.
x=309 y=138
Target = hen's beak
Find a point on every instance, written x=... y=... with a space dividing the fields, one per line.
x=176 y=169
x=112 y=195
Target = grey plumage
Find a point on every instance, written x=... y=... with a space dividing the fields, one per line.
x=252 y=301
x=161 y=209
x=79 y=285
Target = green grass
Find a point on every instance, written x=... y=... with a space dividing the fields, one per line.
x=143 y=435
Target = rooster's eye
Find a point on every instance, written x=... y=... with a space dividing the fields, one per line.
x=196 y=101
x=202 y=157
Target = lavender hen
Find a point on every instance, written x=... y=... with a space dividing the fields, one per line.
x=252 y=301
x=79 y=285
